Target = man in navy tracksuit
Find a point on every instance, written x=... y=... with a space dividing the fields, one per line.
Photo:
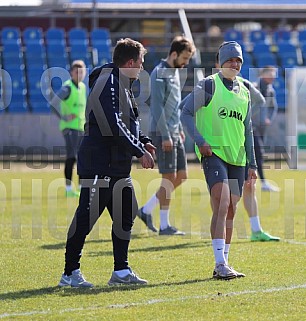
x=112 y=137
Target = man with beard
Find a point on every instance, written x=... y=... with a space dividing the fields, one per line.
x=167 y=132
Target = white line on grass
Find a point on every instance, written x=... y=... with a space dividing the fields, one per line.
x=201 y=297
x=295 y=242
x=154 y=301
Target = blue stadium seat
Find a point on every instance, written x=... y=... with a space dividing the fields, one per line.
x=58 y=76
x=279 y=83
x=33 y=35
x=281 y=35
x=37 y=78
x=80 y=51
x=57 y=55
x=38 y=84
x=61 y=62
x=56 y=84
x=100 y=36
x=38 y=102
x=19 y=70
x=14 y=90
x=244 y=72
x=18 y=106
x=101 y=54
x=247 y=58
x=12 y=55
x=101 y=46
x=289 y=61
x=268 y=59
x=55 y=36
x=260 y=48
x=35 y=56
x=12 y=48
x=10 y=35
x=77 y=36
x=286 y=49
x=35 y=50
x=258 y=36
x=12 y=61
x=233 y=34
x=302 y=36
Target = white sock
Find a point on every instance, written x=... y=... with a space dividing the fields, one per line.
x=123 y=273
x=151 y=204
x=218 y=247
x=68 y=188
x=226 y=252
x=255 y=224
x=164 y=219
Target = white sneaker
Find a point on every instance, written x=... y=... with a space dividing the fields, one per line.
x=130 y=279
x=223 y=272
x=75 y=280
x=238 y=274
x=269 y=188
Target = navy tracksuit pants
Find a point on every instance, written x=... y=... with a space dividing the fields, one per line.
x=97 y=193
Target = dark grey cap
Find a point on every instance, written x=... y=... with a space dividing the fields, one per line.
x=228 y=50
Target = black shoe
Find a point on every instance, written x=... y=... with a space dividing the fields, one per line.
x=147 y=219
x=171 y=230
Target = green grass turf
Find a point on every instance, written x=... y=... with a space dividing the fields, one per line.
x=34 y=216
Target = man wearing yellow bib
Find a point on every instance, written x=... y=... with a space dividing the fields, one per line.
x=222 y=131
x=69 y=105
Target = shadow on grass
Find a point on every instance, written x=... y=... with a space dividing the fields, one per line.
x=60 y=246
x=200 y=244
x=33 y=197
x=67 y=291
x=156 y=248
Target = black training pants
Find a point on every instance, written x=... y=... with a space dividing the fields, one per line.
x=97 y=193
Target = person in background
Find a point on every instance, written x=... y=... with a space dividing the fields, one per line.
x=265 y=86
x=249 y=190
x=217 y=115
x=167 y=132
x=112 y=138
x=69 y=105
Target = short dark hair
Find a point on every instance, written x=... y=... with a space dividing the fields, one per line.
x=77 y=64
x=268 y=68
x=127 y=49
x=180 y=44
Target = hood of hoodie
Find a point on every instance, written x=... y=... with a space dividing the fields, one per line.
x=94 y=75
x=109 y=69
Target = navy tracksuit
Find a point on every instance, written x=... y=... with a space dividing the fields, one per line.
x=112 y=137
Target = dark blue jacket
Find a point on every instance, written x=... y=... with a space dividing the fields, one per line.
x=112 y=135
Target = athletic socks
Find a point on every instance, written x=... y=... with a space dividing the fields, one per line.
x=150 y=205
x=255 y=224
x=226 y=251
x=164 y=219
x=218 y=247
x=122 y=273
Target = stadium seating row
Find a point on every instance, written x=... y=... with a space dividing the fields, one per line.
x=26 y=59
x=275 y=37
x=282 y=48
x=34 y=62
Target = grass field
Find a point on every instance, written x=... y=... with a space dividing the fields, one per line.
x=34 y=216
